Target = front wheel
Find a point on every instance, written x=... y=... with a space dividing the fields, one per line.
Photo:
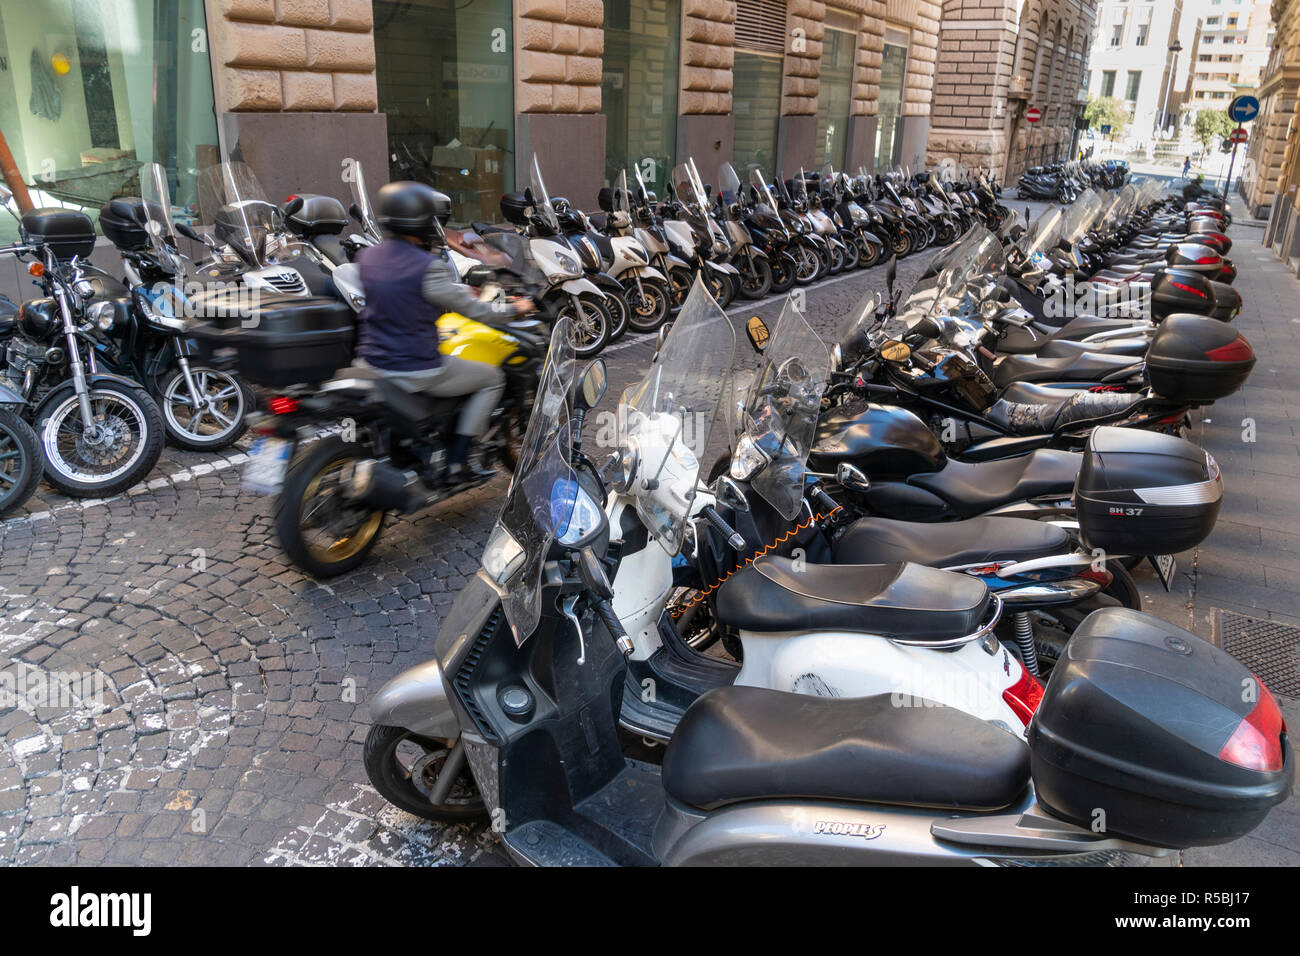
x=591 y=324
x=321 y=529
x=648 y=305
x=120 y=447
x=20 y=462
x=616 y=305
x=404 y=767
x=755 y=278
x=218 y=418
x=783 y=272
x=680 y=280
x=720 y=287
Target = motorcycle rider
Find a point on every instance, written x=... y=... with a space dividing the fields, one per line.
x=409 y=281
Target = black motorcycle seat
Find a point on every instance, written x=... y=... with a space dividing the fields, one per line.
x=1064 y=409
x=332 y=248
x=417 y=411
x=1081 y=367
x=1119 y=345
x=972 y=488
x=1025 y=341
x=776 y=594
x=753 y=743
x=949 y=544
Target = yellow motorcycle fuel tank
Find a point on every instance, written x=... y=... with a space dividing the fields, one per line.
x=474 y=341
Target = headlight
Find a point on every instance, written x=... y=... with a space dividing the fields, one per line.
x=748 y=459
x=503 y=555
x=101 y=315
x=568 y=263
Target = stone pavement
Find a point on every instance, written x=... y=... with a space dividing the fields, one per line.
x=232 y=704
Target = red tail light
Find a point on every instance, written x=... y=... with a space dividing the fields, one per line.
x=1238 y=350
x=1256 y=744
x=291 y=198
x=1024 y=696
x=1187 y=288
x=1100 y=575
x=283 y=405
x=1206 y=260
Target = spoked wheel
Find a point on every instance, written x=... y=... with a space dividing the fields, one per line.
x=217 y=420
x=591 y=325
x=648 y=305
x=20 y=462
x=406 y=769
x=119 y=448
x=756 y=278
x=321 y=529
x=807 y=264
x=901 y=244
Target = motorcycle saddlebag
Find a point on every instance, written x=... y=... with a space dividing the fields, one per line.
x=66 y=232
x=284 y=340
x=1197 y=359
x=1141 y=492
x=1180 y=290
x=1157 y=736
x=318 y=216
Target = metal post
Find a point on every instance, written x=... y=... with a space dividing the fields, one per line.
x=1228 y=182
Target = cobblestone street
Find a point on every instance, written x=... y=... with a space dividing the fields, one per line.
x=234 y=688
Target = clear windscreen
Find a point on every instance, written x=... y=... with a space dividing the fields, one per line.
x=858 y=323
x=690 y=191
x=1080 y=215
x=621 y=201
x=780 y=417
x=543 y=491
x=361 y=197
x=668 y=416
x=158 y=224
x=977 y=261
x=241 y=213
x=1043 y=234
x=542 y=207
x=728 y=189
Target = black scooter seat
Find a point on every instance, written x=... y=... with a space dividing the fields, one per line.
x=907 y=601
x=1026 y=341
x=972 y=488
x=1081 y=367
x=949 y=544
x=751 y=743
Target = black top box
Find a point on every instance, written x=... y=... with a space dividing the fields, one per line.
x=65 y=232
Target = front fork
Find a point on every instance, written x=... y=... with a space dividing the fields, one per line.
x=183 y=362
x=79 y=383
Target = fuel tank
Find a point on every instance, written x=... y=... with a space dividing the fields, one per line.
x=882 y=440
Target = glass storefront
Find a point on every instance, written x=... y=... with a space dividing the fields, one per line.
x=756 y=102
x=893 y=69
x=835 y=97
x=91 y=89
x=639 y=87
x=446 y=83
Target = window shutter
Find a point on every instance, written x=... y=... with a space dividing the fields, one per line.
x=760 y=25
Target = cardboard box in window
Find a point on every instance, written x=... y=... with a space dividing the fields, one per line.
x=477 y=191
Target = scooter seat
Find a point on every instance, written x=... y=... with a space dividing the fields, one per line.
x=775 y=594
x=950 y=544
x=973 y=488
x=1081 y=367
x=1026 y=341
x=751 y=743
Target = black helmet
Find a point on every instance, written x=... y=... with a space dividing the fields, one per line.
x=413 y=209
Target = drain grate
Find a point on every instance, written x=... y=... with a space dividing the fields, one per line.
x=1270 y=649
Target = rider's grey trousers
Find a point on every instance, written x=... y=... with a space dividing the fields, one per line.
x=457 y=376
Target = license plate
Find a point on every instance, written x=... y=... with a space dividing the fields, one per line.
x=268 y=460
x=1166 y=567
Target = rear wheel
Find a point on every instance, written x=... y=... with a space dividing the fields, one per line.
x=322 y=530
x=20 y=462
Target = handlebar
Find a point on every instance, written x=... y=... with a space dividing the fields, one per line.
x=614 y=625
x=719 y=524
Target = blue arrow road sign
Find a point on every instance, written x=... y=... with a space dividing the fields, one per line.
x=1243 y=109
x=1105 y=129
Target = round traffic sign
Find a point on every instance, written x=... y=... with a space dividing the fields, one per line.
x=1237 y=137
x=1243 y=109
x=1033 y=114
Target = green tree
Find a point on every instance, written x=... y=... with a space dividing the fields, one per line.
x=1106 y=111
x=1212 y=125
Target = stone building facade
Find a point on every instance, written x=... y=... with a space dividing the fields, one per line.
x=1271 y=148
x=997 y=59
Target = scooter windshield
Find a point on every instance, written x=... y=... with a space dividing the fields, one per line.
x=361 y=198
x=728 y=191
x=1080 y=216
x=542 y=207
x=1042 y=236
x=241 y=214
x=689 y=189
x=158 y=223
x=666 y=420
x=780 y=418
x=977 y=261
x=544 y=493
x=622 y=203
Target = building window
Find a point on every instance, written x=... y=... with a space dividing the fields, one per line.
x=1205 y=58
x=93 y=89
x=1117 y=34
x=1143 y=28
x=449 y=96
x=1134 y=81
x=835 y=94
x=639 y=87
x=893 y=70
x=1107 y=82
x=756 y=81
x=1212 y=21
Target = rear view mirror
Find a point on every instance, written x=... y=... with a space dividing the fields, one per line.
x=851 y=477
x=730 y=493
x=758 y=333
x=592 y=385
x=605 y=199
x=355 y=212
x=188 y=231
x=292 y=206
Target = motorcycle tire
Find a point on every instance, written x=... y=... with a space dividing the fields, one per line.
x=173 y=394
x=871 y=253
x=680 y=280
x=20 y=462
x=648 y=305
x=756 y=279
x=409 y=787
x=852 y=256
x=837 y=260
x=783 y=273
x=592 y=326
x=618 y=309
x=60 y=418
x=808 y=263
x=901 y=245
x=720 y=287
x=323 y=462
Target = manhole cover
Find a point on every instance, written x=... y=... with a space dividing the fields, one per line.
x=1270 y=649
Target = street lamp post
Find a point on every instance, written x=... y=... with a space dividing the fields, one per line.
x=1169 y=83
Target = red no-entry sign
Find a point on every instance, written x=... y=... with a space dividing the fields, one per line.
x=1237 y=137
x=1033 y=114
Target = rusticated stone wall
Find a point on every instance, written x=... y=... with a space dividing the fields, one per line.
x=708 y=53
x=558 y=48
x=805 y=29
x=293 y=55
